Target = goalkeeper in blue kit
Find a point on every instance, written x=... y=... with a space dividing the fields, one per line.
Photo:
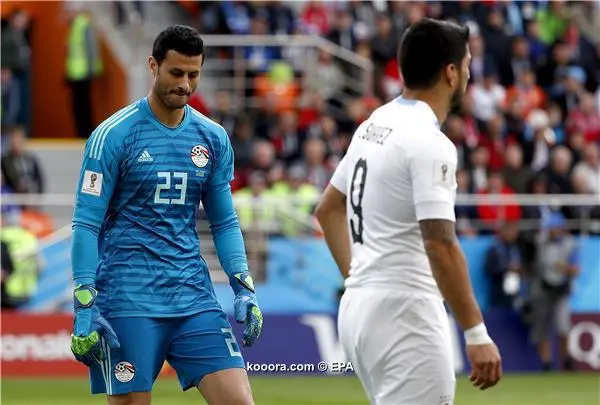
x=142 y=291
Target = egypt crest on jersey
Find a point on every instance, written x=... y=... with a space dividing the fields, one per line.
x=200 y=155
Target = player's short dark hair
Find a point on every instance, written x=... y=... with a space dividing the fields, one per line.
x=179 y=38
x=427 y=47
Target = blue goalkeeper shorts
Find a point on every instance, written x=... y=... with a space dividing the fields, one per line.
x=194 y=346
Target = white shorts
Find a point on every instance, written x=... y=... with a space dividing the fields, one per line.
x=399 y=345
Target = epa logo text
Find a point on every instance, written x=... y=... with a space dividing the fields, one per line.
x=340 y=367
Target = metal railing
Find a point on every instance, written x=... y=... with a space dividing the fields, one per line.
x=237 y=82
x=284 y=209
x=61 y=199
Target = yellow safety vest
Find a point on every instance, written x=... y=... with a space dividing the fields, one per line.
x=22 y=246
x=77 y=60
x=252 y=214
x=299 y=201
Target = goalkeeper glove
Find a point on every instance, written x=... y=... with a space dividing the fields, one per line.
x=246 y=307
x=89 y=328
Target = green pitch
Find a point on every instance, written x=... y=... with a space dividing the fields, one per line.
x=551 y=389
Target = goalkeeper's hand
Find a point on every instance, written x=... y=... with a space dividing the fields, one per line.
x=246 y=307
x=90 y=328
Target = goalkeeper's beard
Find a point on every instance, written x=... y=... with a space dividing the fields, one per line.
x=175 y=100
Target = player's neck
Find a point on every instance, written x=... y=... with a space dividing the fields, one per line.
x=438 y=103
x=168 y=117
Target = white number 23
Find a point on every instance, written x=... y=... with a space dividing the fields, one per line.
x=166 y=185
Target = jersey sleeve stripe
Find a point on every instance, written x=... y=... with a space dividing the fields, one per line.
x=95 y=146
x=109 y=128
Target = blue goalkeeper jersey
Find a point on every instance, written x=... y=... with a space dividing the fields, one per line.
x=140 y=187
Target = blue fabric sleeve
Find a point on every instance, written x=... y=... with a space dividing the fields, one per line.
x=97 y=180
x=220 y=212
x=574 y=256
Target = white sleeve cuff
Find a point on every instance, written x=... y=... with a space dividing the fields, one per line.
x=338 y=183
x=435 y=210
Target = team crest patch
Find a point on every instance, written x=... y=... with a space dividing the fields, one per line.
x=200 y=155
x=124 y=371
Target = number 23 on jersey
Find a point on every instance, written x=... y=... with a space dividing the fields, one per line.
x=168 y=181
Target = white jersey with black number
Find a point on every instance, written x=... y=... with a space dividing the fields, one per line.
x=399 y=169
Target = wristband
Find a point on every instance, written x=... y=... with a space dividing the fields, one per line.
x=477 y=335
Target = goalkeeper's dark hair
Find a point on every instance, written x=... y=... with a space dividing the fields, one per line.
x=179 y=38
x=427 y=47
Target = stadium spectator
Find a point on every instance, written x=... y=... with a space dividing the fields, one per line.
x=556 y=266
x=556 y=122
x=534 y=216
x=83 y=65
x=9 y=210
x=504 y=267
x=262 y=159
x=472 y=132
x=281 y=17
x=128 y=12
x=465 y=214
x=494 y=215
x=479 y=58
x=384 y=44
x=286 y=138
x=479 y=162
x=251 y=211
x=588 y=170
x=21 y=168
x=553 y=21
x=516 y=175
x=315 y=18
x=585 y=119
x=327 y=129
x=301 y=197
x=278 y=86
x=325 y=77
x=539 y=139
x=514 y=120
x=11 y=98
x=454 y=129
x=537 y=47
x=568 y=88
x=495 y=141
x=315 y=164
x=559 y=170
x=6 y=271
x=224 y=111
x=16 y=57
x=20 y=276
x=341 y=32
x=587 y=19
x=489 y=96
x=497 y=41
x=520 y=61
x=530 y=95
x=242 y=141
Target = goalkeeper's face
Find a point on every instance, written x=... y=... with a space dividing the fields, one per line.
x=176 y=78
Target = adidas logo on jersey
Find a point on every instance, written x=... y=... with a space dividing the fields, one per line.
x=145 y=157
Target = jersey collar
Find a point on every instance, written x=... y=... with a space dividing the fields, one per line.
x=422 y=106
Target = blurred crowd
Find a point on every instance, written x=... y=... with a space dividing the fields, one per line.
x=529 y=124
